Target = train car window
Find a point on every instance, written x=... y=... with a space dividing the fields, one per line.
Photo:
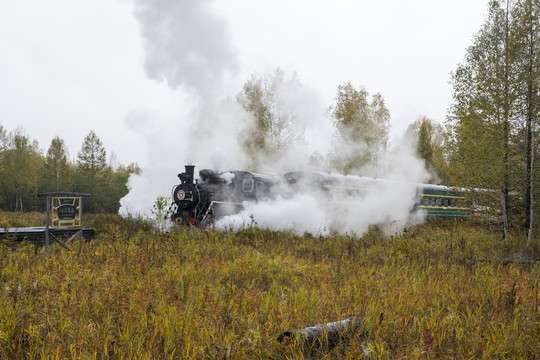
x=247 y=185
x=439 y=201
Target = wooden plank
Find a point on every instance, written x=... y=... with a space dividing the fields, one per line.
x=38 y=234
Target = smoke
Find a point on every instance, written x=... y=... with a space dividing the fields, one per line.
x=190 y=47
x=296 y=125
x=302 y=213
x=186 y=43
x=386 y=203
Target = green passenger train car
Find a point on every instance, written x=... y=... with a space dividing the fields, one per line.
x=432 y=201
x=437 y=201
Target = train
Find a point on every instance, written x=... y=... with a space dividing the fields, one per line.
x=214 y=195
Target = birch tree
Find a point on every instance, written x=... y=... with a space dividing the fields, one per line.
x=272 y=127
x=362 y=127
x=57 y=168
x=527 y=28
x=492 y=120
x=21 y=162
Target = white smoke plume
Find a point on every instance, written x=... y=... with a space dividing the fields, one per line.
x=386 y=203
x=190 y=48
x=186 y=43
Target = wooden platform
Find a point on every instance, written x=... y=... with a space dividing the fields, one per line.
x=37 y=234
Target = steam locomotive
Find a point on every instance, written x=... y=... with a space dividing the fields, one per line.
x=217 y=194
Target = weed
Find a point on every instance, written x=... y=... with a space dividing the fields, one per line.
x=135 y=293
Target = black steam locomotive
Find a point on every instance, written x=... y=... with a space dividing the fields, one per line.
x=213 y=194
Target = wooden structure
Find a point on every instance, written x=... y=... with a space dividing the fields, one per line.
x=67 y=211
x=64 y=221
x=37 y=234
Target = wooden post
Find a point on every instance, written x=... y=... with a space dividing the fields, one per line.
x=81 y=225
x=47 y=224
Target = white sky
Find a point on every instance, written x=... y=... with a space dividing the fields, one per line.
x=68 y=67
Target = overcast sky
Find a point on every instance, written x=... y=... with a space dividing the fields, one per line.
x=68 y=67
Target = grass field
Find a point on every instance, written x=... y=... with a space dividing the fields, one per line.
x=442 y=290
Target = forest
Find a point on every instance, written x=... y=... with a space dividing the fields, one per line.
x=25 y=172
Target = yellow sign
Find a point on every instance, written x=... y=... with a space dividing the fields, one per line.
x=66 y=211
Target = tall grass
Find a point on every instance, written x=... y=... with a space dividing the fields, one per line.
x=443 y=290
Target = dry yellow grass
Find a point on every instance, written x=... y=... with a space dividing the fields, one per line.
x=134 y=293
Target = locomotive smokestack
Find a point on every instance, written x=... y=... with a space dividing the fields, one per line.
x=190 y=171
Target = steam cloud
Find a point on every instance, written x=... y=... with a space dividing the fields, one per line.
x=190 y=48
x=386 y=203
x=186 y=43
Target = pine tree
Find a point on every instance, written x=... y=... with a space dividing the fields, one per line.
x=92 y=158
x=91 y=170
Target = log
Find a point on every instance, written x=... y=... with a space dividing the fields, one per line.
x=330 y=333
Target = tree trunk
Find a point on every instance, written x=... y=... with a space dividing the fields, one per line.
x=529 y=172
x=530 y=141
x=504 y=216
x=506 y=126
x=531 y=199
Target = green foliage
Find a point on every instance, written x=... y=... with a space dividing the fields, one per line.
x=92 y=159
x=429 y=137
x=25 y=172
x=439 y=291
x=159 y=211
x=19 y=177
x=492 y=121
x=92 y=171
x=94 y=175
x=57 y=172
x=425 y=147
x=272 y=128
x=362 y=128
